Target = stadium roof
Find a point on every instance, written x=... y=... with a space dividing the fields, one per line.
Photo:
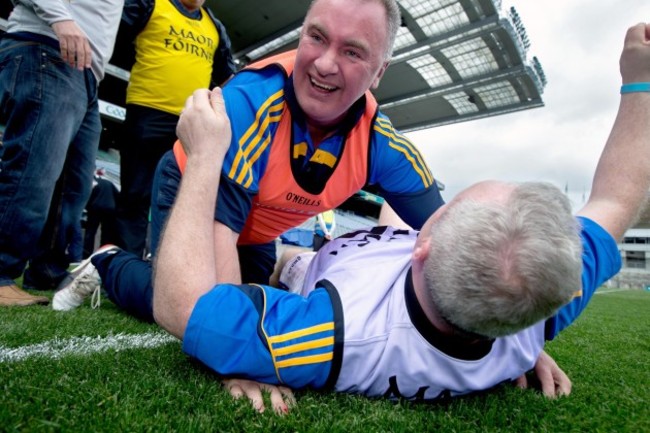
x=454 y=60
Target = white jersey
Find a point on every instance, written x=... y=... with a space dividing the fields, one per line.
x=390 y=348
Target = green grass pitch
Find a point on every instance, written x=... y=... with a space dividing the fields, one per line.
x=47 y=383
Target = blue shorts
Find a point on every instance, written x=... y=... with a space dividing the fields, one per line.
x=268 y=335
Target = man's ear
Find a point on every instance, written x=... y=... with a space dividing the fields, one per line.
x=420 y=254
x=375 y=82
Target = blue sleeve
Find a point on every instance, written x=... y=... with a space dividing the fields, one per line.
x=601 y=260
x=233 y=204
x=254 y=103
x=268 y=335
x=401 y=175
x=223 y=65
x=253 y=108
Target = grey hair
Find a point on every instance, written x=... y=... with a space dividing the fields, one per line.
x=393 y=22
x=495 y=269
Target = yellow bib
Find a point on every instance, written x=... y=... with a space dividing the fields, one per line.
x=174 y=56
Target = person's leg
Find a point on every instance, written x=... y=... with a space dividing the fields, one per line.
x=319 y=241
x=90 y=232
x=127 y=280
x=101 y=211
x=50 y=264
x=93 y=217
x=257 y=262
x=148 y=134
x=76 y=246
x=109 y=229
x=36 y=87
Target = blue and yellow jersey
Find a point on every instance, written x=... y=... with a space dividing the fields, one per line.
x=276 y=177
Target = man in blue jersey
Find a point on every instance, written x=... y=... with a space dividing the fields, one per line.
x=306 y=134
x=388 y=312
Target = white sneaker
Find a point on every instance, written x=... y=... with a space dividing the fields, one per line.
x=82 y=282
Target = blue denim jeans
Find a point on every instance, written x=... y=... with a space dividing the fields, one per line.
x=51 y=115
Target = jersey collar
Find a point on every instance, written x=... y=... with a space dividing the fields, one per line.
x=449 y=345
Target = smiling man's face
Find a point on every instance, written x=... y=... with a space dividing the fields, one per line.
x=340 y=56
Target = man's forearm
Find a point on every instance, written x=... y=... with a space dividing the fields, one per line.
x=186 y=267
x=185 y=264
x=623 y=173
x=622 y=177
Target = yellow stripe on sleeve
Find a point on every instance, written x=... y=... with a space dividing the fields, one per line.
x=301 y=347
x=329 y=326
x=304 y=360
x=256 y=126
x=404 y=146
x=405 y=141
x=300 y=360
x=248 y=164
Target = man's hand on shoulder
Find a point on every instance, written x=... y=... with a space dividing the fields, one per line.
x=203 y=127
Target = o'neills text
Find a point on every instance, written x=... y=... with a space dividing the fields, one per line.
x=298 y=199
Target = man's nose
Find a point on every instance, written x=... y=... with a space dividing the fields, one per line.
x=327 y=62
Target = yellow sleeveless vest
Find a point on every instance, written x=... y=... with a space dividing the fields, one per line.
x=174 y=56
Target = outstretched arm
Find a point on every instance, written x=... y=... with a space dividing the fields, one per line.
x=186 y=267
x=622 y=177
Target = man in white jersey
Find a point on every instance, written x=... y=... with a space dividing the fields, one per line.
x=390 y=312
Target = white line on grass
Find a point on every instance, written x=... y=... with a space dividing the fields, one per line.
x=57 y=348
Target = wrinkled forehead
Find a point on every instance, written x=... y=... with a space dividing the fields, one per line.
x=361 y=17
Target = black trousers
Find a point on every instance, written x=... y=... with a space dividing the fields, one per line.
x=100 y=210
x=148 y=133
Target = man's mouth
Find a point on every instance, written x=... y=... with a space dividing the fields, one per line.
x=322 y=86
